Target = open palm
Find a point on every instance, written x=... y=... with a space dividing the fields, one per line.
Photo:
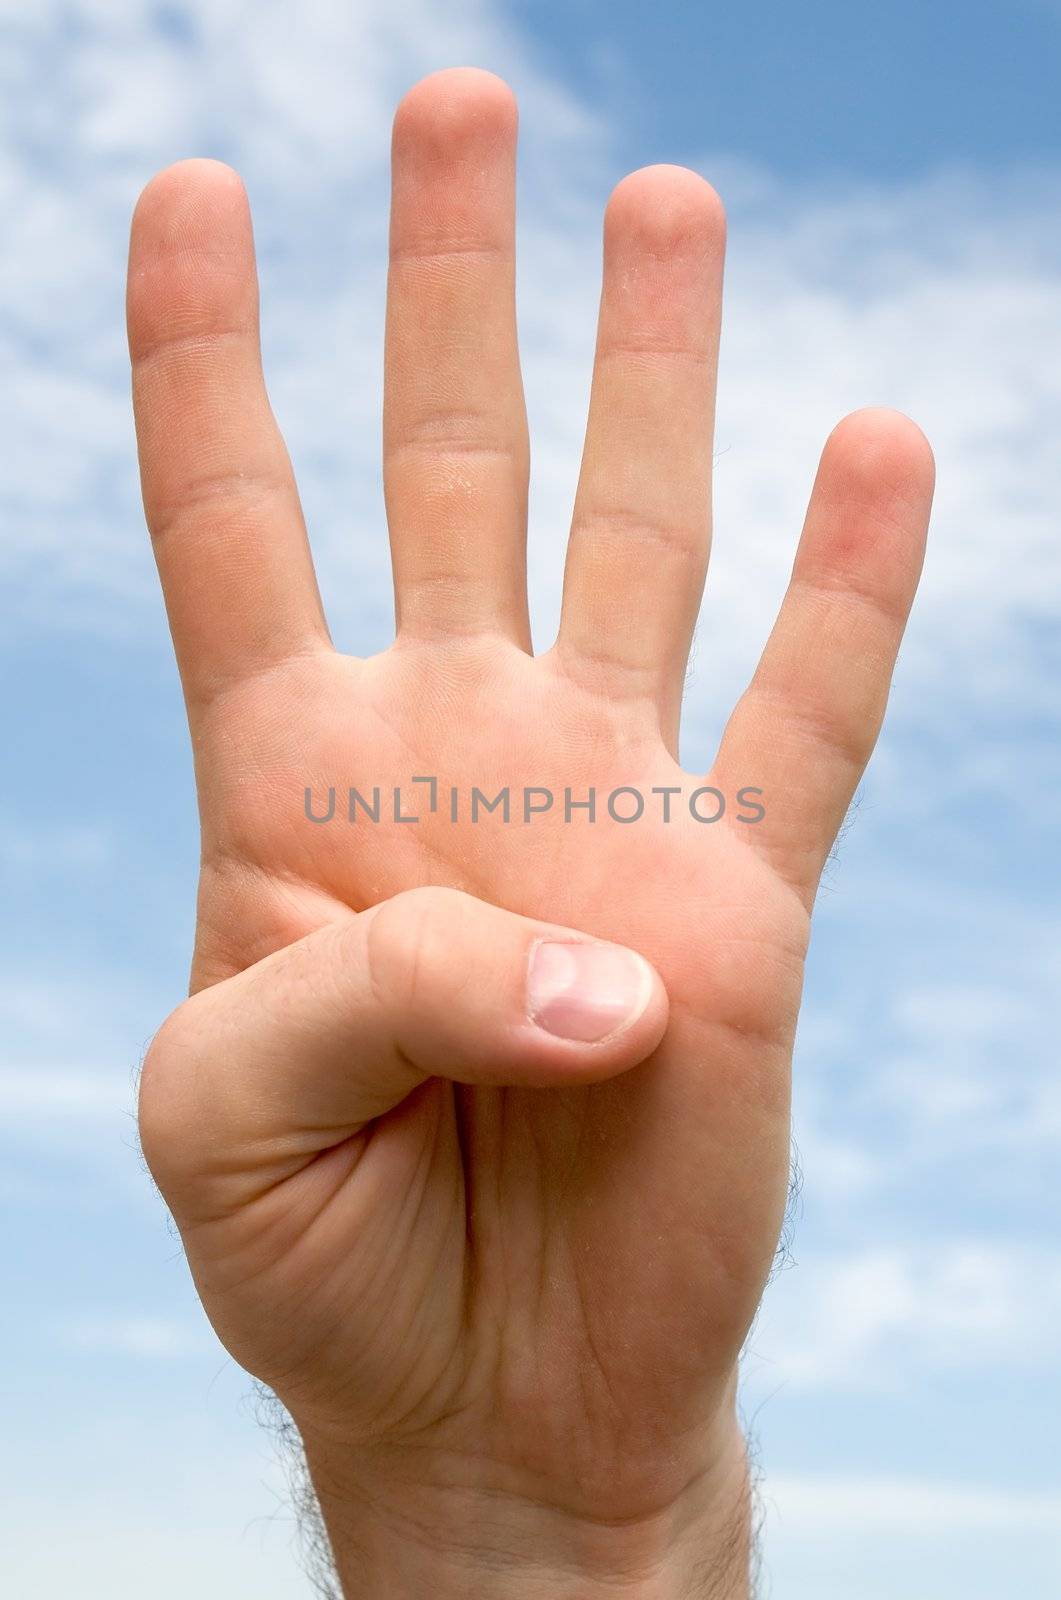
x=555 y=1280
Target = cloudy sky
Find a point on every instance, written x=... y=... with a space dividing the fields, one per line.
x=893 y=179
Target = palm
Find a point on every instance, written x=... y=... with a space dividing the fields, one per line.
x=673 y=1152
x=628 y=1225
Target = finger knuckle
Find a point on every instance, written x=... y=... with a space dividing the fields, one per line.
x=409 y=940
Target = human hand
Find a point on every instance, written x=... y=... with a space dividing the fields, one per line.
x=500 y=1279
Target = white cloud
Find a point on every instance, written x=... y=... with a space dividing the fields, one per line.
x=145 y=1337
x=832 y=1536
x=35 y=1091
x=887 y=1316
x=59 y=1026
x=97 y=97
x=234 y=1536
x=72 y=1044
x=951 y=1068
x=904 y=1506
x=97 y=1560
x=935 y=298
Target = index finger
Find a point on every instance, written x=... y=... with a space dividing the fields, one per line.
x=806 y=726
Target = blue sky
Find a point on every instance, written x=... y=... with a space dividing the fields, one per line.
x=893 y=181
x=819 y=88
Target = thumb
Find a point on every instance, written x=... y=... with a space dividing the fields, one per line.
x=267 y=1069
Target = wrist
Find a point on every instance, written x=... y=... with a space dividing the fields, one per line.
x=395 y=1535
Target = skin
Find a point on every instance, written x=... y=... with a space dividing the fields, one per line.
x=500 y=1280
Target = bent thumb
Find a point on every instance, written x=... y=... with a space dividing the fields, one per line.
x=303 y=1049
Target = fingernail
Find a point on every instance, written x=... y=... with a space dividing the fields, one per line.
x=586 y=991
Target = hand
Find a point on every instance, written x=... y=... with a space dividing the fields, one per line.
x=500 y=1277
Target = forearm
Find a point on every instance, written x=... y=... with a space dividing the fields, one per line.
x=398 y=1539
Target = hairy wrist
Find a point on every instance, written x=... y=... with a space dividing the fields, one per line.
x=399 y=1532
